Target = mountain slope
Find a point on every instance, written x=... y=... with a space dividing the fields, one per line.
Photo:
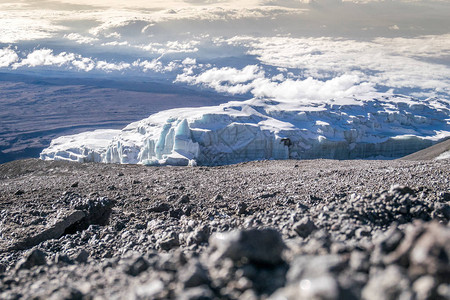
x=438 y=151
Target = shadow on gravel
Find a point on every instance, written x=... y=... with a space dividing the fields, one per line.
x=98 y=216
x=83 y=213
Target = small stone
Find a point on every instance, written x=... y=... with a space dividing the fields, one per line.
x=184 y=199
x=75 y=184
x=159 y=208
x=82 y=256
x=401 y=189
x=431 y=251
x=248 y=295
x=69 y=293
x=169 y=241
x=197 y=293
x=148 y=290
x=362 y=232
x=310 y=266
x=176 y=213
x=301 y=208
x=193 y=274
x=391 y=239
x=218 y=197
x=425 y=288
x=304 y=227
x=138 y=266
x=140 y=226
x=63 y=259
x=171 y=198
x=443 y=291
x=314 y=198
x=359 y=261
x=391 y=283
x=33 y=258
x=19 y=192
x=199 y=235
x=441 y=211
x=241 y=208
x=323 y=287
x=119 y=225
x=187 y=209
x=260 y=246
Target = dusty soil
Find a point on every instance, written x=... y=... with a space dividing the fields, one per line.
x=318 y=229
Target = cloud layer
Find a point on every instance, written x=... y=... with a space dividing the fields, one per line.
x=284 y=49
x=252 y=79
x=421 y=62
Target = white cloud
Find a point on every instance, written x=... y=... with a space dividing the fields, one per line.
x=171 y=47
x=429 y=46
x=108 y=67
x=116 y=43
x=157 y=66
x=31 y=21
x=80 y=39
x=84 y=64
x=7 y=57
x=171 y=66
x=153 y=65
x=129 y=21
x=189 y=61
x=394 y=62
x=252 y=79
x=168 y=4
x=229 y=80
x=310 y=89
x=45 y=57
x=23 y=27
x=180 y=47
x=228 y=75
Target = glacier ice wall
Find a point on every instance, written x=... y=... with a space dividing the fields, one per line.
x=82 y=147
x=383 y=125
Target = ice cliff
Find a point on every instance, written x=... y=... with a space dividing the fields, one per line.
x=379 y=126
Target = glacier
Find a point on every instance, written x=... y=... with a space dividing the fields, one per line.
x=378 y=125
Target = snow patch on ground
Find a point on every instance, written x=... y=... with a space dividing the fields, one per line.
x=445 y=155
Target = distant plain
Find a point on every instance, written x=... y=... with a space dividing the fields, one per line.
x=35 y=110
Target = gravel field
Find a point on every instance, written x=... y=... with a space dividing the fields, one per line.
x=317 y=229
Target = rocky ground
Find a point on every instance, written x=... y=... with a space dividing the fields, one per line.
x=316 y=229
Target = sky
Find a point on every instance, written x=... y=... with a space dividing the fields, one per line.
x=283 y=49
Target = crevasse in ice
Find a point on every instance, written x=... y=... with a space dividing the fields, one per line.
x=384 y=126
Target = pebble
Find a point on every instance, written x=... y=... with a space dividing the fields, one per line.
x=35 y=257
x=304 y=227
x=263 y=246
